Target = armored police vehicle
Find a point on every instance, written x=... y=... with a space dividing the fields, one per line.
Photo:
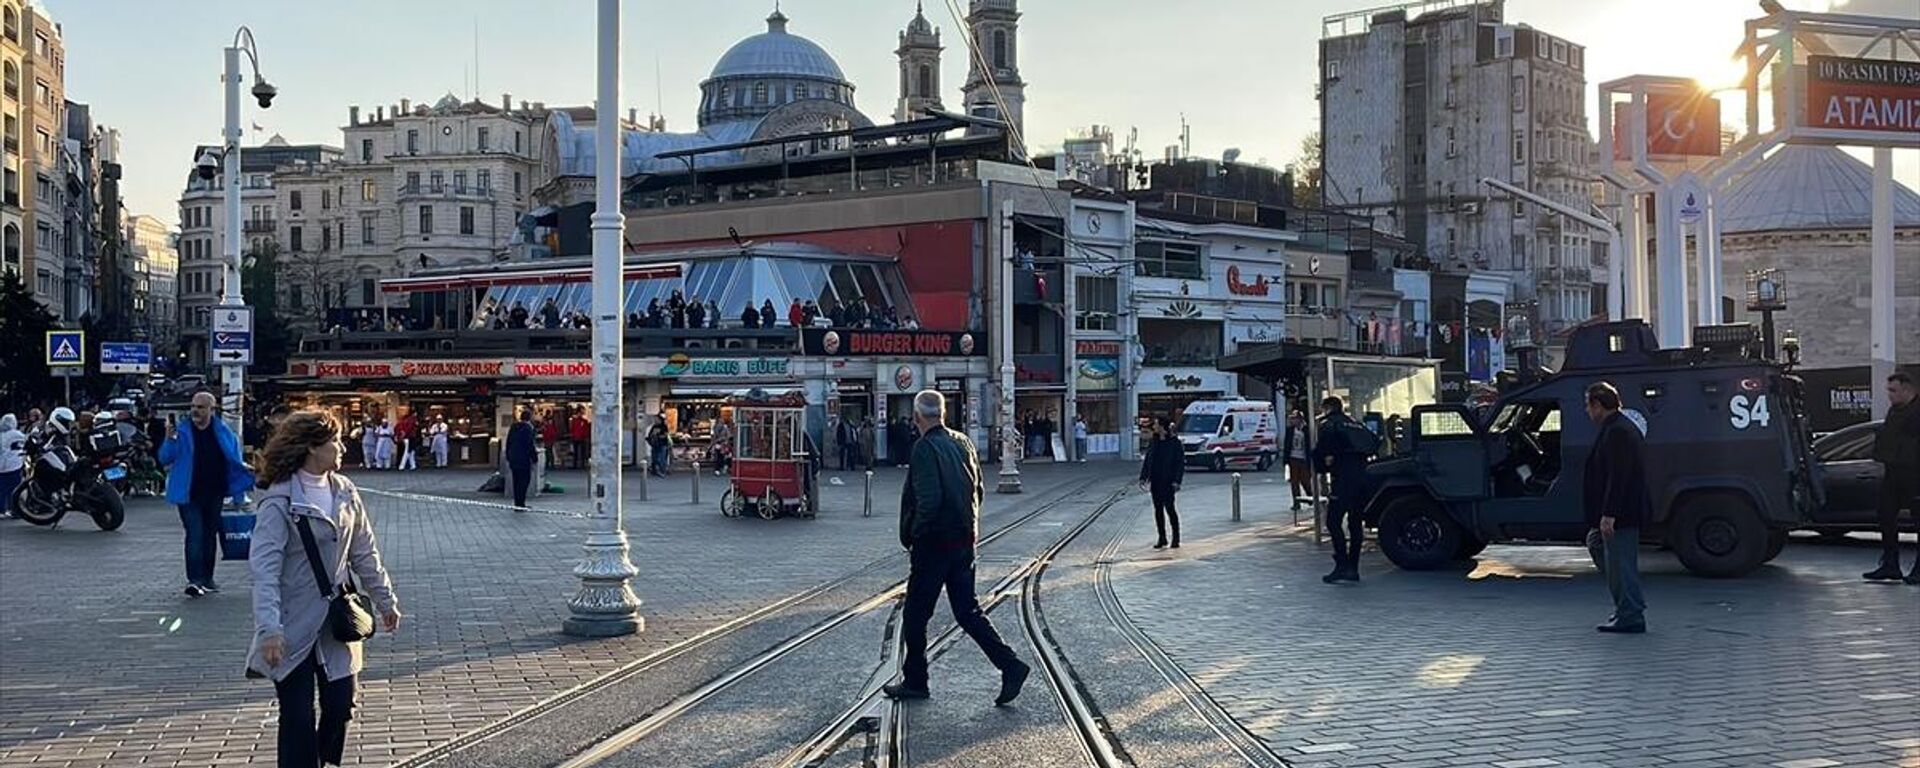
x=1728 y=460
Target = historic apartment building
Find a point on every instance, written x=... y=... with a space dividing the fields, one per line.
x=1419 y=103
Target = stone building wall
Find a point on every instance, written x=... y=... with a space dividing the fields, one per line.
x=1829 y=285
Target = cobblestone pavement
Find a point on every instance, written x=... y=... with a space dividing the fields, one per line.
x=1797 y=665
x=104 y=663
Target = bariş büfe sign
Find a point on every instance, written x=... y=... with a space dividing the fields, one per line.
x=1863 y=94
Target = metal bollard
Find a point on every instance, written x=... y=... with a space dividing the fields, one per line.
x=696 y=482
x=1236 y=497
x=866 y=508
x=645 y=472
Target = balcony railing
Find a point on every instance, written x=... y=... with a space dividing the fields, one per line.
x=446 y=191
x=259 y=225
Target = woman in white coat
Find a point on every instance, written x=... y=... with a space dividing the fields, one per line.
x=384 y=450
x=306 y=496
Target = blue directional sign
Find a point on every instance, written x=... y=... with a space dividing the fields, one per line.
x=66 y=348
x=126 y=357
x=233 y=348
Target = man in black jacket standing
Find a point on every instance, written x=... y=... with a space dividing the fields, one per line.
x=939 y=525
x=1617 y=503
x=1342 y=451
x=1897 y=447
x=1160 y=473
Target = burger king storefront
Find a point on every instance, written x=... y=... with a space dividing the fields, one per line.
x=869 y=373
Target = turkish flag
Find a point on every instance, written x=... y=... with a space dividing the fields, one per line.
x=1677 y=124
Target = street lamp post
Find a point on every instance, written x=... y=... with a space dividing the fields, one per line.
x=1009 y=443
x=606 y=606
x=233 y=377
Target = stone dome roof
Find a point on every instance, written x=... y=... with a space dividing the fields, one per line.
x=1805 y=187
x=777 y=53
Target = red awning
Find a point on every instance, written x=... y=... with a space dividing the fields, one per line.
x=547 y=276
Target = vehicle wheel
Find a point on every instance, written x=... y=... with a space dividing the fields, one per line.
x=33 y=509
x=1470 y=547
x=1266 y=461
x=1219 y=463
x=1417 y=534
x=103 y=503
x=769 y=505
x=1718 y=535
x=731 y=504
x=1776 y=541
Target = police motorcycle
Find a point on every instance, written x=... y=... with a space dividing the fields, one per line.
x=62 y=477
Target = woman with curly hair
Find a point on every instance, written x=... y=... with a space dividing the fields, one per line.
x=308 y=506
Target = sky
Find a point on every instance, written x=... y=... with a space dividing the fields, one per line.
x=1240 y=71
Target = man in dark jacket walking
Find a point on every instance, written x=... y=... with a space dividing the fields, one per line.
x=939 y=525
x=1897 y=447
x=1160 y=473
x=522 y=451
x=1617 y=503
x=1342 y=451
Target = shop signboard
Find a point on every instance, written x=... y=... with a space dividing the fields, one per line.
x=1094 y=348
x=553 y=369
x=1183 y=380
x=444 y=370
x=126 y=357
x=681 y=364
x=1097 y=374
x=847 y=342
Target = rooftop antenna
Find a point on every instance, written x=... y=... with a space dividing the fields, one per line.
x=659 y=104
x=474 y=95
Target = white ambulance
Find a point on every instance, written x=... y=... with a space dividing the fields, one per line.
x=1223 y=434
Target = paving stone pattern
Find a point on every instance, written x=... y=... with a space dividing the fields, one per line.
x=103 y=662
x=1797 y=665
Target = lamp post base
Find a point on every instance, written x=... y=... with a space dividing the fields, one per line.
x=1009 y=479
x=605 y=606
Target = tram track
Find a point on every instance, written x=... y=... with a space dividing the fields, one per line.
x=654 y=720
x=885 y=721
x=714 y=635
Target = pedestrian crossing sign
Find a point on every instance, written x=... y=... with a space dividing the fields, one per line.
x=66 y=348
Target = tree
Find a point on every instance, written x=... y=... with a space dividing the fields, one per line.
x=1306 y=170
x=273 y=336
x=24 y=323
x=317 y=276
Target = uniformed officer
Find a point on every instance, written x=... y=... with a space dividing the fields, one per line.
x=1342 y=451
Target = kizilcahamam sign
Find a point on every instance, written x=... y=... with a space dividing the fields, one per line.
x=1874 y=95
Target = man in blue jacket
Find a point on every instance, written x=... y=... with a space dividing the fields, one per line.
x=204 y=469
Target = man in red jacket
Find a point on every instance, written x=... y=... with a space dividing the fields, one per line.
x=580 y=430
x=550 y=434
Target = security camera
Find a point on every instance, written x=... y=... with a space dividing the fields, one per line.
x=264 y=91
x=207 y=166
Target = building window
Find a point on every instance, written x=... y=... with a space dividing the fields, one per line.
x=13 y=25
x=293 y=201
x=1096 y=303
x=799 y=92
x=426 y=219
x=1519 y=147
x=40 y=45
x=759 y=93
x=1163 y=259
x=1519 y=93
x=1503 y=43
x=481 y=142
x=483 y=180
x=257 y=181
x=326 y=239
x=726 y=96
x=367 y=193
x=460 y=182
x=46 y=143
x=516 y=183
x=296 y=298
x=516 y=141
x=1520 y=252
x=294 y=239
x=413 y=142
x=439 y=180
x=366 y=291
x=1560 y=51
x=326 y=199
x=1453 y=147
x=466 y=219
x=999 y=49
x=366 y=150
x=926 y=80
x=1333 y=69
x=43 y=93
x=367 y=222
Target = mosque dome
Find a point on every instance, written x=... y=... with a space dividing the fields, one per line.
x=1806 y=187
x=777 y=53
x=768 y=71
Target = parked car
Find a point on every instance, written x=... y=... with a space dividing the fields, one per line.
x=1852 y=481
x=188 y=384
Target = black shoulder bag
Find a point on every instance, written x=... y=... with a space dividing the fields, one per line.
x=349 y=613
